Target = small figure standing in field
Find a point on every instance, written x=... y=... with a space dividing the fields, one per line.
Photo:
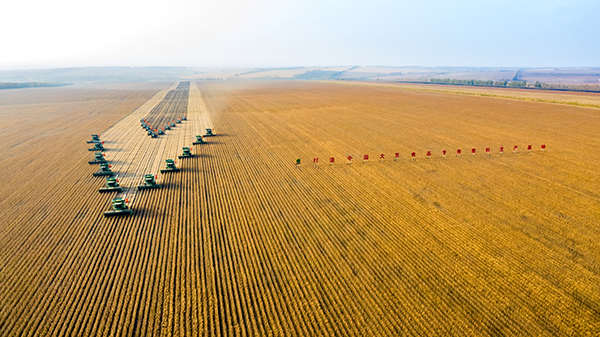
x=528 y=148
x=515 y=149
x=396 y=156
x=501 y=149
x=543 y=147
x=428 y=154
x=381 y=158
x=444 y=153
x=487 y=151
x=413 y=156
x=315 y=161
x=297 y=161
x=458 y=151
x=473 y=151
x=365 y=158
x=331 y=160
x=349 y=160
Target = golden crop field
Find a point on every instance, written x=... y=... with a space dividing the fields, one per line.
x=242 y=241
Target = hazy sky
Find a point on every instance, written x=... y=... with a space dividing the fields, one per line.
x=529 y=33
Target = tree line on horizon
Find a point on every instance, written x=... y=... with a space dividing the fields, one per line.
x=482 y=83
x=16 y=85
x=518 y=84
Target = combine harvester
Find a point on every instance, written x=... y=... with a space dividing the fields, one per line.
x=98 y=159
x=170 y=167
x=199 y=140
x=187 y=153
x=95 y=139
x=209 y=133
x=119 y=208
x=112 y=185
x=104 y=170
x=149 y=182
x=98 y=147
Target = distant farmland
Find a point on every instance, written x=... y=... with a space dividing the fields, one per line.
x=244 y=241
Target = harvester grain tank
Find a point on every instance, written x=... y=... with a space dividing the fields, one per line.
x=112 y=185
x=149 y=182
x=199 y=140
x=120 y=208
x=95 y=139
x=187 y=153
x=98 y=158
x=170 y=166
x=104 y=171
x=98 y=147
x=209 y=132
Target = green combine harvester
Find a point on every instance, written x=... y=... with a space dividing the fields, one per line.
x=187 y=153
x=104 y=170
x=209 y=132
x=170 y=166
x=119 y=208
x=98 y=159
x=199 y=140
x=95 y=139
x=149 y=182
x=112 y=185
x=98 y=147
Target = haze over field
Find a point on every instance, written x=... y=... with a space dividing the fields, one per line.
x=269 y=33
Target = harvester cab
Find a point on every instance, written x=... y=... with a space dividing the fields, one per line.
x=120 y=207
x=149 y=182
x=95 y=139
x=209 y=132
x=199 y=140
x=187 y=153
x=104 y=170
x=98 y=158
x=97 y=147
x=112 y=185
x=170 y=166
